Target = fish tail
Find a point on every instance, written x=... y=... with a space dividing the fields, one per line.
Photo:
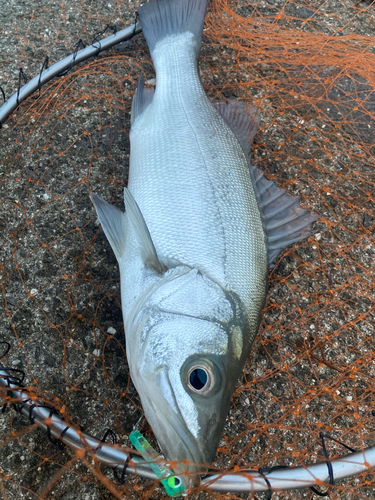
x=162 y=18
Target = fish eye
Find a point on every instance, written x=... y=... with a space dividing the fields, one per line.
x=198 y=378
x=201 y=378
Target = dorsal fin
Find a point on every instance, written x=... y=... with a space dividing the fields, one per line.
x=142 y=234
x=141 y=100
x=284 y=220
x=242 y=120
x=113 y=222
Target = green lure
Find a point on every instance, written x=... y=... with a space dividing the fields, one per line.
x=172 y=484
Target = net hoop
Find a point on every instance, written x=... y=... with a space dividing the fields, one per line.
x=115 y=456
x=63 y=65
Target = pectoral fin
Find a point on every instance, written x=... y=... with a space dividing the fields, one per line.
x=113 y=222
x=142 y=234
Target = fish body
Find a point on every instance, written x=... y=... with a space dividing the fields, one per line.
x=194 y=245
x=190 y=178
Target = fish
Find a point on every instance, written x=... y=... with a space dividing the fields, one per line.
x=201 y=227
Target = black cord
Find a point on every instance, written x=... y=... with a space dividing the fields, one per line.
x=108 y=432
x=7 y=348
x=20 y=76
x=121 y=479
x=3 y=93
x=268 y=470
x=12 y=379
x=269 y=496
x=319 y=493
x=31 y=409
x=44 y=66
x=77 y=48
x=64 y=431
x=262 y=471
x=338 y=442
x=95 y=38
x=135 y=22
x=54 y=441
x=329 y=464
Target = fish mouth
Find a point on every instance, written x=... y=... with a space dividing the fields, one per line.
x=183 y=450
x=188 y=455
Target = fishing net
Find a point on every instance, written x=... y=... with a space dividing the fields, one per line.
x=309 y=66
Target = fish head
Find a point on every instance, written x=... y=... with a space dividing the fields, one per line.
x=188 y=361
x=186 y=389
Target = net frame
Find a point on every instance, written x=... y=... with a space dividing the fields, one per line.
x=286 y=478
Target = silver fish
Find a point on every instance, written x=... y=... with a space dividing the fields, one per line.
x=194 y=246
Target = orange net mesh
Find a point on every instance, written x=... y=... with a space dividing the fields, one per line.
x=309 y=66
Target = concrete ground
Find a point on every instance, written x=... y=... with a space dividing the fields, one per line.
x=60 y=308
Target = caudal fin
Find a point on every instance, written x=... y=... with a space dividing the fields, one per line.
x=160 y=18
